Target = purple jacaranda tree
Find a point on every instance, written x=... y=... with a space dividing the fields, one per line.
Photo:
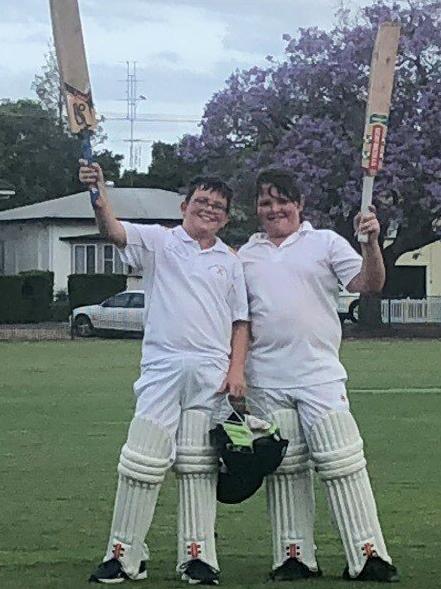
x=306 y=112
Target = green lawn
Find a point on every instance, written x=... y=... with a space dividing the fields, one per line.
x=65 y=407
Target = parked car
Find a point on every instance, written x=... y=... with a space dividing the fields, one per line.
x=348 y=305
x=122 y=312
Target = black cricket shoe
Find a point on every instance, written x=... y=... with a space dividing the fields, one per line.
x=375 y=569
x=111 y=572
x=197 y=572
x=291 y=570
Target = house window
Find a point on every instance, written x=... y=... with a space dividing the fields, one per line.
x=84 y=259
x=2 y=258
x=112 y=261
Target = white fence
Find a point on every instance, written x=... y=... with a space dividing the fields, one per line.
x=411 y=310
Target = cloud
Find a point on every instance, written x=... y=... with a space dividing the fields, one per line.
x=184 y=49
x=26 y=44
x=194 y=37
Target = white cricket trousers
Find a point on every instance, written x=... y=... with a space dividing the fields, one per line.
x=169 y=386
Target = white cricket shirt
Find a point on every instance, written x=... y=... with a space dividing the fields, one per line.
x=292 y=295
x=192 y=295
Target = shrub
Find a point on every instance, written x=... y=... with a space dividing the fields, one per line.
x=90 y=289
x=60 y=311
x=38 y=293
x=13 y=307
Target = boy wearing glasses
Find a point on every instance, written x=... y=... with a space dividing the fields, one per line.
x=194 y=346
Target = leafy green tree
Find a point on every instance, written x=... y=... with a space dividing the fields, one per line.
x=168 y=170
x=110 y=164
x=38 y=157
x=47 y=86
x=49 y=90
x=134 y=179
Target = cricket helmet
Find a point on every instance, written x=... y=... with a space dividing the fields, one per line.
x=249 y=448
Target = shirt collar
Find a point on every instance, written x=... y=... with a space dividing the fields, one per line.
x=218 y=246
x=263 y=237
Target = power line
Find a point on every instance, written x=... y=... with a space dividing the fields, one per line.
x=152 y=118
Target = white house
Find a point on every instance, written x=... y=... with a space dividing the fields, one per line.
x=61 y=234
x=427 y=261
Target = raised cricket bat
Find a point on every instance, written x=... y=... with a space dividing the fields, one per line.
x=381 y=81
x=71 y=56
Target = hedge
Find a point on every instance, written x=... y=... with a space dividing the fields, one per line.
x=13 y=307
x=90 y=289
x=26 y=297
x=60 y=311
x=38 y=291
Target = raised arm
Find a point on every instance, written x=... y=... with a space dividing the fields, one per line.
x=108 y=225
x=372 y=274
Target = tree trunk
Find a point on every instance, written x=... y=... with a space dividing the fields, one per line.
x=370 y=312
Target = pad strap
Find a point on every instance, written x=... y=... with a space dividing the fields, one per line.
x=337 y=446
x=194 y=452
x=145 y=457
x=297 y=458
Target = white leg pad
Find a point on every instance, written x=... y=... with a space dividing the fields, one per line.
x=144 y=460
x=290 y=496
x=337 y=450
x=196 y=468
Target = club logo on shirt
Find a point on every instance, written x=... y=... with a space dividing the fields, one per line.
x=219 y=270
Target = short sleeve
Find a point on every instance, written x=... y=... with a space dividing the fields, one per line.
x=238 y=299
x=345 y=261
x=140 y=239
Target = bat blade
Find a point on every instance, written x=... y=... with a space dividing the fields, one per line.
x=381 y=82
x=71 y=57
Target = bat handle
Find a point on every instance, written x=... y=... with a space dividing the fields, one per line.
x=366 y=201
x=86 y=153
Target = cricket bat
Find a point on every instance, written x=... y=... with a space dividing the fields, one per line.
x=72 y=64
x=381 y=82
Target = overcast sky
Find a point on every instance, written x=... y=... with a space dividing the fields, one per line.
x=184 y=50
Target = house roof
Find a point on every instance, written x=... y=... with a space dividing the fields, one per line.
x=127 y=203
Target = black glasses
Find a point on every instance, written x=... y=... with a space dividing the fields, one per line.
x=205 y=203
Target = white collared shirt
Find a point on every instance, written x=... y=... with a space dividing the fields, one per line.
x=292 y=295
x=192 y=295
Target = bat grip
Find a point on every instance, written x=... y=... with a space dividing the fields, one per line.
x=86 y=153
x=366 y=201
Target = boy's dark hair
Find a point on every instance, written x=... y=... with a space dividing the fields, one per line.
x=211 y=183
x=282 y=180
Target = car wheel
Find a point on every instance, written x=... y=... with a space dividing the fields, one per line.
x=353 y=311
x=83 y=326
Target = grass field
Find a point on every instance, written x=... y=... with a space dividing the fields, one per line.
x=65 y=410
